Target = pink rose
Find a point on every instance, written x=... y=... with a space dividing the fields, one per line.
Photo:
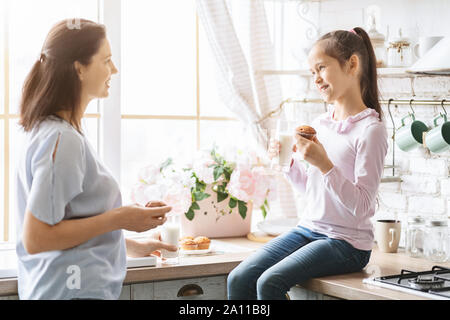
x=204 y=170
x=179 y=199
x=242 y=184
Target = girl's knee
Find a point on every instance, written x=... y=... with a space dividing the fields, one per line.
x=271 y=286
x=237 y=277
x=268 y=281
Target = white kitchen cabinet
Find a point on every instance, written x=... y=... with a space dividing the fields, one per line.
x=206 y=288
x=142 y=291
x=9 y=298
x=126 y=293
x=298 y=293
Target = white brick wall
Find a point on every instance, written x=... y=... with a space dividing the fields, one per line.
x=419 y=184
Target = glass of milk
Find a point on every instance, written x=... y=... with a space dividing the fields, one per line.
x=170 y=233
x=285 y=135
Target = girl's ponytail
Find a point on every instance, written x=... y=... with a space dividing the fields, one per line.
x=369 y=79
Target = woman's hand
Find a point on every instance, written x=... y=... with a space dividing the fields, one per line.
x=150 y=246
x=137 y=218
x=313 y=152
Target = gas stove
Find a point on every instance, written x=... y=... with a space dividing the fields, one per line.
x=433 y=284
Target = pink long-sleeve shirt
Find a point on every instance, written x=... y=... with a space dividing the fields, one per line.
x=341 y=202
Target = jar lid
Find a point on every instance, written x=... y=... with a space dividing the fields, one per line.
x=437 y=223
x=416 y=220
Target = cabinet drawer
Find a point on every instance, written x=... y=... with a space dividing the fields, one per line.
x=210 y=288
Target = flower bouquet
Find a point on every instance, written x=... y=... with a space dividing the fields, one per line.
x=216 y=195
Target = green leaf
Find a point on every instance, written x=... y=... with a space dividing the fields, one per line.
x=242 y=209
x=221 y=196
x=190 y=214
x=232 y=204
x=199 y=195
x=199 y=185
x=195 y=206
x=217 y=172
x=227 y=173
x=264 y=211
x=165 y=164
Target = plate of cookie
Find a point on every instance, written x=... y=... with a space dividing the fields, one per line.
x=193 y=246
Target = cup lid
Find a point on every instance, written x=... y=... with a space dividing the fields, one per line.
x=416 y=220
x=437 y=223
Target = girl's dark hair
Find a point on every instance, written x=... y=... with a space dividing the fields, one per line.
x=341 y=45
x=53 y=84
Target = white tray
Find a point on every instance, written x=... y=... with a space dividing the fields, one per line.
x=195 y=252
x=149 y=261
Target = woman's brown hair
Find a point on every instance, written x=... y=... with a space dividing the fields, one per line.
x=53 y=84
x=341 y=45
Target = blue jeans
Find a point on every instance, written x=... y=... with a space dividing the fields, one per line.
x=292 y=258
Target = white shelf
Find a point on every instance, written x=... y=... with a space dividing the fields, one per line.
x=382 y=72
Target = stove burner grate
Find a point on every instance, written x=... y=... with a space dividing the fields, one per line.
x=426 y=282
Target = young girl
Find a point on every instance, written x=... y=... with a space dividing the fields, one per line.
x=346 y=160
x=70 y=215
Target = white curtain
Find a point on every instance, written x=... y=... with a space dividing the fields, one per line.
x=242 y=47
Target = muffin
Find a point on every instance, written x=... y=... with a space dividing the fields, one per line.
x=186 y=238
x=202 y=242
x=306 y=132
x=188 y=244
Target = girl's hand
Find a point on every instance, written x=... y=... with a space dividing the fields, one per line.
x=313 y=152
x=274 y=148
x=150 y=246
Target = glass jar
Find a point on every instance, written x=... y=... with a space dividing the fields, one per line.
x=415 y=234
x=378 y=42
x=436 y=240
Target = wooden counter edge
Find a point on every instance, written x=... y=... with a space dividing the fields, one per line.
x=8 y=287
x=347 y=286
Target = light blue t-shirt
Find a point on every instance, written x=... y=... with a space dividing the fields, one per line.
x=72 y=186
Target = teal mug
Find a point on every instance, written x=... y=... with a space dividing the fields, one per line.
x=438 y=139
x=409 y=136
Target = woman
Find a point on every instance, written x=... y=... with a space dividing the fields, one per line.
x=346 y=164
x=70 y=243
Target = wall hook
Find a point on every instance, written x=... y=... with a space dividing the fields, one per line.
x=410 y=105
x=442 y=105
x=413 y=93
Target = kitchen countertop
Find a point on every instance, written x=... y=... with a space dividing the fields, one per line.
x=229 y=252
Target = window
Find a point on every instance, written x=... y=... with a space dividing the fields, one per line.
x=168 y=106
x=170 y=103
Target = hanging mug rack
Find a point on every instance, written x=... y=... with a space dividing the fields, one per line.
x=276 y=112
